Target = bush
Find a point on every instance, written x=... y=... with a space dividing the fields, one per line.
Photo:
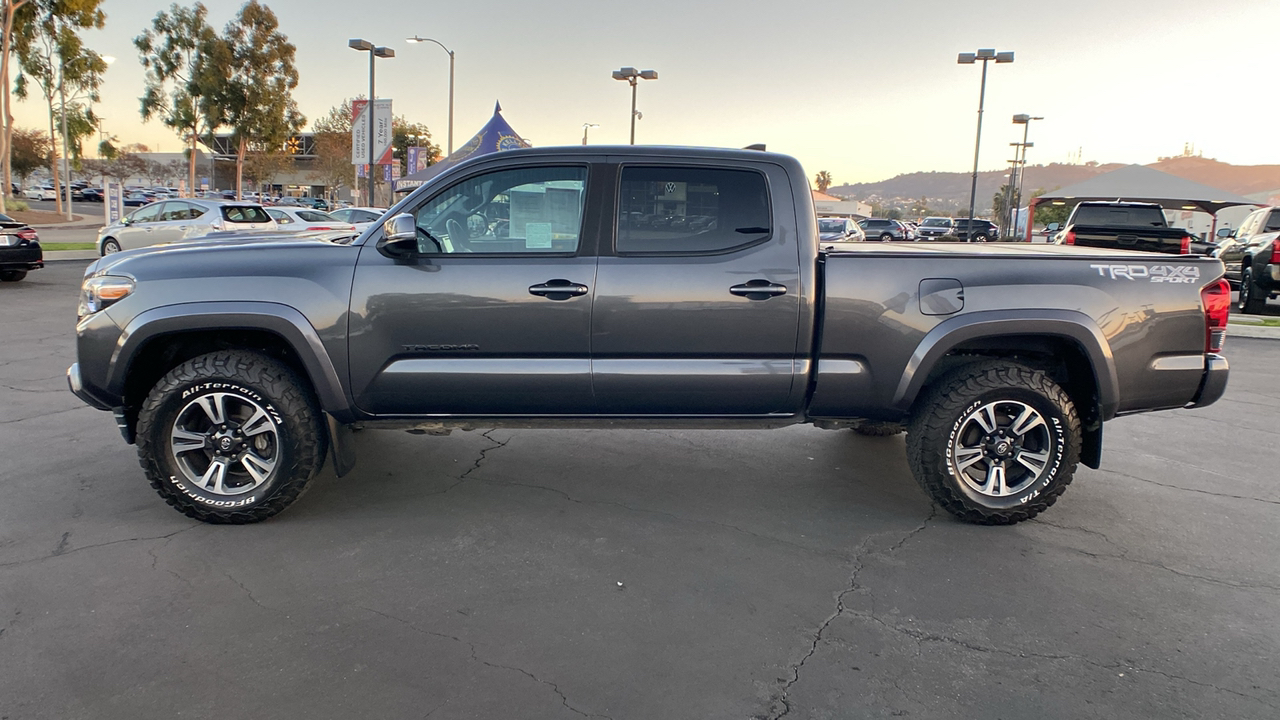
x=13 y=204
x=946 y=238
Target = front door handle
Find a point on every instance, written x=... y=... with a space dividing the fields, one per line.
x=558 y=289
x=758 y=290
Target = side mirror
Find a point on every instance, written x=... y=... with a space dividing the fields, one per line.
x=1053 y=227
x=399 y=236
x=1225 y=233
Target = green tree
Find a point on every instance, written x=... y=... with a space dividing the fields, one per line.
x=1050 y=212
x=175 y=53
x=822 y=180
x=10 y=25
x=52 y=56
x=1000 y=204
x=254 y=94
x=30 y=150
x=262 y=165
x=893 y=214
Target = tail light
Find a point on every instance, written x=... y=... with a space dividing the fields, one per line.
x=1216 y=299
x=1070 y=239
x=28 y=234
x=319 y=227
x=1275 y=251
x=1186 y=244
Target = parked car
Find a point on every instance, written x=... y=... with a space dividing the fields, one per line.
x=20 y=250
x=932 y=228
x=313 y=203
x=836 y=229
x=883 y=229
x=910 y=229
x=1124 y=226
x=237 y=367
x=41 y=192
x=176 y=220
x=299 y=219
x=137 y=199
x=1251 y=254
x=361 y=217
x=91 y=194
x=975 y=230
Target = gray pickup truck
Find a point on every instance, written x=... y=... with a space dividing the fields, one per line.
x=635 y=287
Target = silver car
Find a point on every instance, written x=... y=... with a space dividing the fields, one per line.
x=292 y=218
x=170 y=221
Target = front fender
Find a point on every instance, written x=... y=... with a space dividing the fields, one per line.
x=282 y=320
x=1069 y=324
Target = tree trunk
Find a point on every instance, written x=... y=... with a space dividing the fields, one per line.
x=240 y=168
x=53 y=155
x=6 y=131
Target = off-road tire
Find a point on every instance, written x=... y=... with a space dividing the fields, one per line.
x=12 y=275
x=298 y=425
x=872 y=428
x=937 y=419
x=1252 y=299
x=110 y=246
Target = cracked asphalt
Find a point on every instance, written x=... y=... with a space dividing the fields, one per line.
x=795 y=573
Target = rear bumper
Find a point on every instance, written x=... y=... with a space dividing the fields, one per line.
x=23 y=257
x=1214 y=382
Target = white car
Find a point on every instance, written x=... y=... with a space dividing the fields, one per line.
x=43 y=192
x=300 y=219
x=361 y=217
x=170 y=221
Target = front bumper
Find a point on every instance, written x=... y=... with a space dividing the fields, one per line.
x=78 y=388
x=1214 y=382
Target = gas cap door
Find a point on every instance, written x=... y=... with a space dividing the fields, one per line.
x=941 y=296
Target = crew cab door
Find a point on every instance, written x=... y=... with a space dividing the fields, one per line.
x=697 y=302
x=493 y=316
x=140 y=232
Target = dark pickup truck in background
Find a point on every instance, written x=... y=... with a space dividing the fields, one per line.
x=1124 y=226
x=1251 y=254
x=527 y=289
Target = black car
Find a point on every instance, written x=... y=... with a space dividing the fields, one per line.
x=91 y=194
x=1251 y=255
x=883 y=229
x=982 y=230
x=20 y=250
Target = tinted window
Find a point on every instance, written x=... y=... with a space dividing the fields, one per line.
x=148 y=213
x=1131 y=216
x=519 y=210
x=936 y=222
x=245 y=214
x=691 y=210
x=313 y=216
x=363 y=216
x=1273 y=223
x=831 y=226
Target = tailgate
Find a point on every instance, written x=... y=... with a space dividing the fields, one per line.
x=1159 y=240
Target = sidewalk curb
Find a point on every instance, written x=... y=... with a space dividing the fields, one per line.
x=74 y=225
x=56 y=255
x=1247 y=330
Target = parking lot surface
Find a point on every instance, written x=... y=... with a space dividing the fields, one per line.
x=633 y=574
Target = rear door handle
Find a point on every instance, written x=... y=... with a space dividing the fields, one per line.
x=558 y=289
x=758 y=290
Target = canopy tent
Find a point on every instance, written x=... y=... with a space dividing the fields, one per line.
x=1138 y=183
x=495 y=136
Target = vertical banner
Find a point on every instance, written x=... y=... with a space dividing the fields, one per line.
x=204 y=184
x=382 y=134
x=418 y=157
x=114 y=205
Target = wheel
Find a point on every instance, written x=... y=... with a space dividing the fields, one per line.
x=886 y=237
x=994 y=442
x=981 y=237
x=12 y=275
x=872 y=428
x=110 y=246
x=1251 y=300
x=230 y=437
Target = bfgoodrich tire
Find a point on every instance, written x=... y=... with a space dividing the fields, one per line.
x=230 y=437
x=994 y=442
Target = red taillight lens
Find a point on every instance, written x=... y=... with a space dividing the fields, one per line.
x=1275 y=251
x=1070 y=239
x=1216 y=299
x=319 y=227
x=28 y=234
x=1186 y=244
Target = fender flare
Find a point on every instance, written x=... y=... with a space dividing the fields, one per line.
x=1069 y=324
x=282 y=320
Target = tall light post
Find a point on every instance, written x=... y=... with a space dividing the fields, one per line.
x=416 y=39
x=585 y=127
x=985 y=55
x=1025 y=121
x=375 y=51
x=631 y=75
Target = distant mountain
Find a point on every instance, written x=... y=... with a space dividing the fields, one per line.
x=950 y=190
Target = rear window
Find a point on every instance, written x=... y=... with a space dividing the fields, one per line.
x=830 y=226
x=1122 y=216
x=691 y=210
x=245 y=214
x=313 y=216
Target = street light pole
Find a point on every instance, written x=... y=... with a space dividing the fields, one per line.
x=585 y=127
x=416 y=39
x=374 y=53
x=631 y=75
x=1025 y=121
x=985 y=55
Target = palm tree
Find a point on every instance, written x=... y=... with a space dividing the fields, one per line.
x=823 y=181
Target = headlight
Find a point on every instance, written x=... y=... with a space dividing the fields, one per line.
x=102 y=291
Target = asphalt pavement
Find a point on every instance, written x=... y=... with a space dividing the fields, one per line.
x=633 y=574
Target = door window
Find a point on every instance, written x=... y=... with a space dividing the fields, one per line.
x=533 y=210
x=146 y=214
x=1273 y=223
x=280 y=216
x=691 y=210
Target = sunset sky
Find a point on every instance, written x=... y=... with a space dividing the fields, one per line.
x=862 y=90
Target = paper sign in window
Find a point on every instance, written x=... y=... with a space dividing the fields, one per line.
x=537 y=236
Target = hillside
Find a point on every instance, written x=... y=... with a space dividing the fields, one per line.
x=950 y=190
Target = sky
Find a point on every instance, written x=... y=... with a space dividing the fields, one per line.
x=863 y=90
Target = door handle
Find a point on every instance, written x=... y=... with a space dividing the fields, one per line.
x=558 y=289
x=758 y=290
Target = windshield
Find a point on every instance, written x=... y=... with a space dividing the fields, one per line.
x=936 y=222
x=830 y=226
